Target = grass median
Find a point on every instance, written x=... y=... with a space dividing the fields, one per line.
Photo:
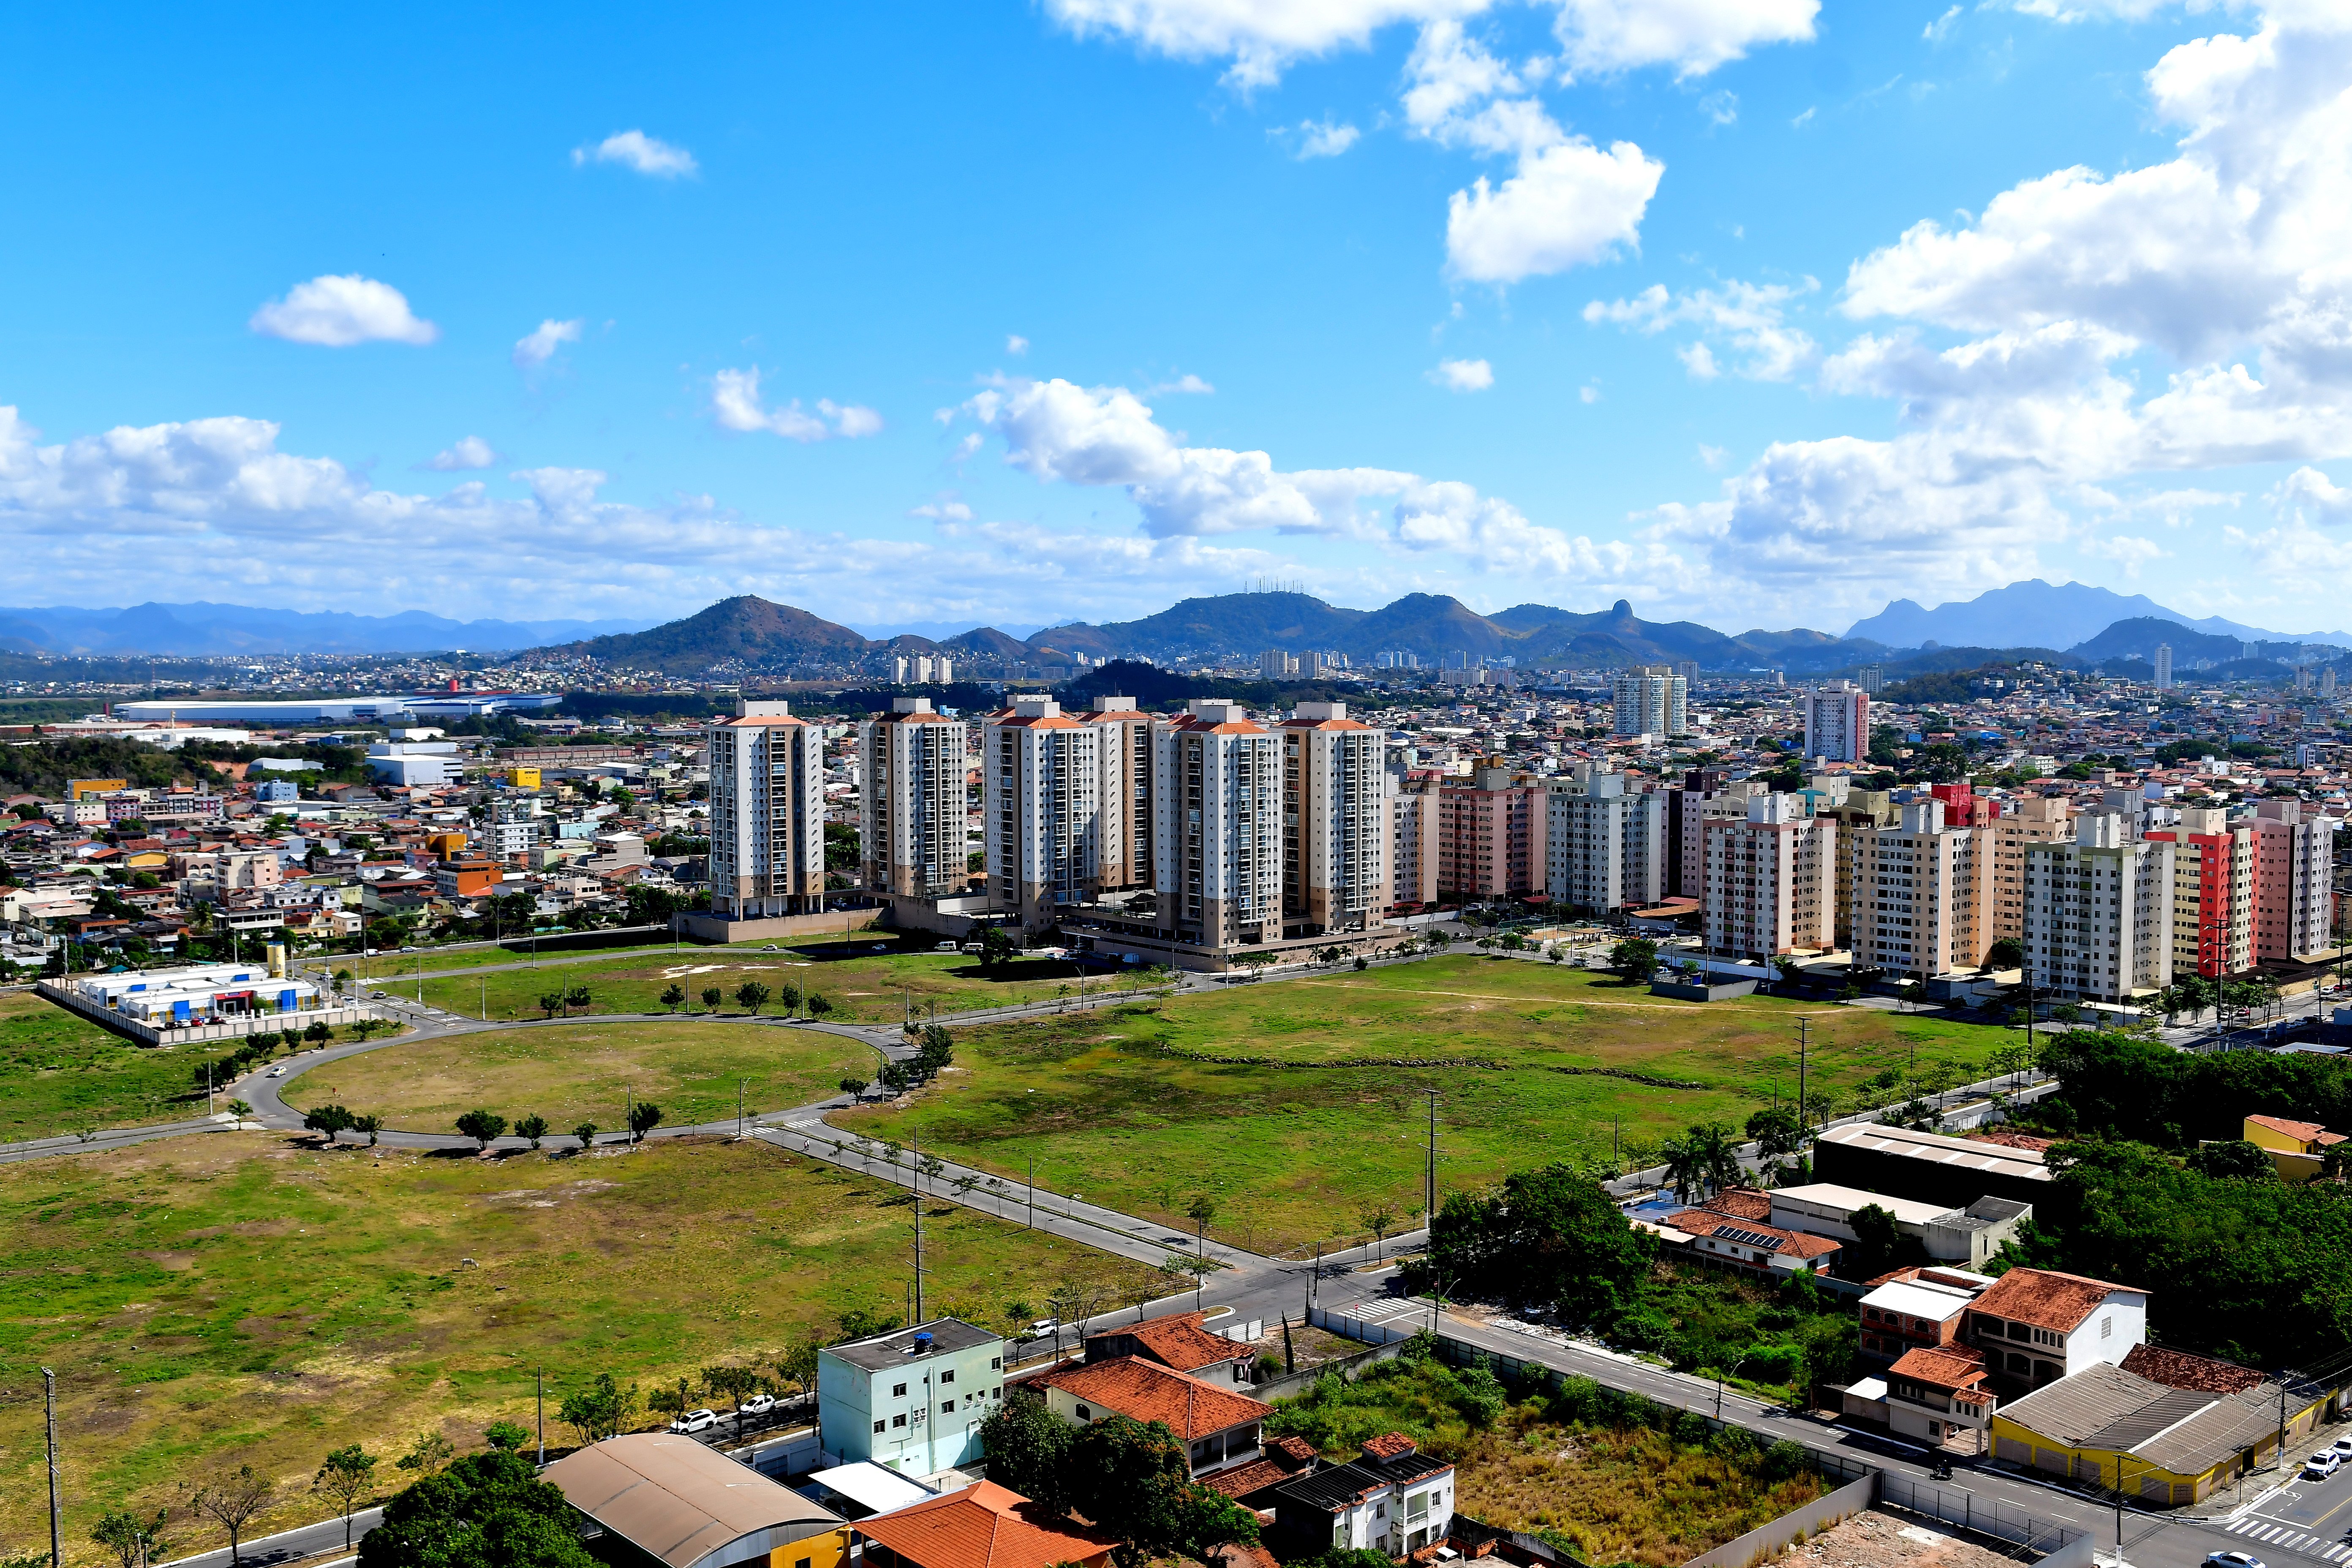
x=233 y=1298
x=1317 y=1116
x=571 y=1073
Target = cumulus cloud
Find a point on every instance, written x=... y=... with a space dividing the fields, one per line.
x=1694 y=36
x=1015 y=344
x=1569 y=205
x=2307 y=495
x=537 y=348
x=1324 y=138
x=1188 y=384
x=943 y=511
x=735 y=405
x=338 y=312
x=465 y=452
x=1463 y=375
x=647 y=156
x=1750 y=317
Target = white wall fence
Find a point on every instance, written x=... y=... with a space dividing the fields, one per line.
x=238 y=1029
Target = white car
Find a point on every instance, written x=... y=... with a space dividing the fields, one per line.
x=2322 y=1464
x=2233 y=1560
x=757 y=1404
x=278 y=1071
x=696 y=1421
x=1044 y=1326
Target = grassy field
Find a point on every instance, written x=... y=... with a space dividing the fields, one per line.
x=61 y=1074
x=1319 y=1125
x=389 y=966
x=237 y=1297
x=870 y=987
x=580 y=1072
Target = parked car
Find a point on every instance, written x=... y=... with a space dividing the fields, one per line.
x=757 y=1404
x=2341 y=1448
x=2233 y=1560
x=696 y=1421
x=946 y=947
x=2322 y=1464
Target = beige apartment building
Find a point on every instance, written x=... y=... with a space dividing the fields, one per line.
x=1770 y=879
x=2036 y=819
x=2098 y=912
x=1336 y=838
x=1412 y=824
x=1217 y=794
x=1920 y=894
x=1123 y=798
x=1041 y=774
x=767 y=812
x=912 y=814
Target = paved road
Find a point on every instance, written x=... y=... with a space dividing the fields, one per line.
x=2310 y=1519
x=310 y=1539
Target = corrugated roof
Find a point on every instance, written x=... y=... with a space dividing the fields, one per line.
x=2068 y=1411
x=983 y=1526
x=677 y=1500
x=2169 y=1408
x=1934 y=1148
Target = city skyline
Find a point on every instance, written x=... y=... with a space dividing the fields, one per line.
x=1759 y=315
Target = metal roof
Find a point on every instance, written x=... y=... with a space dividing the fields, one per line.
x=1934 y=1148
x=679 y=1500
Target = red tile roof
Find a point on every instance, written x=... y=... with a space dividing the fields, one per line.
x=1388 y=1446
x=2014 y=1140
x=2179 y=1369
x=1146 y=1391
x=1741 y=1202
x=2301 y=1131
x=1182 y=1342
x=983 y=1526
x=2046 y=1299
x=1951 y=1366
x=1785 y=1243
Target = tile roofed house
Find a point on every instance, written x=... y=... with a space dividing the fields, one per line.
x=2179 y=1369
x=982 y=1526
x=1935 y=1393
x=2037 y=1325
x=1741 y=1202
x=1178 y=1342
x=1751 y=1244
x=2298 y=1149
x=1221 y=1428
x=1284 y=1458
x=1395 y=1499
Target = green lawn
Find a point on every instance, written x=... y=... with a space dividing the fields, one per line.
x=1298 y=1143
x=583 y=1072
x=388 y=966
x=59 y=1073
x=243 y=1298
x=870 y=987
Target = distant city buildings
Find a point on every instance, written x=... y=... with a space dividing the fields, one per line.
x=1649 y=700
x=1837 y=723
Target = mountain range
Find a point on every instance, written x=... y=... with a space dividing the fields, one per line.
x=2036 y=613
x=200 y=628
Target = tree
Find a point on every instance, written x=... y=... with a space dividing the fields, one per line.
x=2006 y=953
x=577 y=997
x=371 y=1125
x=1201 y=1211
x=485 y=1508
x=482 y=1126
x=796 y=1364
x=2232 y=1159
x=230 y=1498
x=599 y=1411
x=752 y=996
x=133 y=1538
x=732 y=1383
x=1777 y=1133
x=550 y=1002
x=1134 y=1481
x=1376 y=1217
x=426 y=1455
x=1876 y=1241
x=533 y=1127
x=328 y=1120
x=1551 y=1235
x=712 y=996
x=644 y=1117
x=938 y=1050
x=291 y=1038
x=585 y=1132
x=318 y=1034
x=674 y=994
x=506 y=1436
x=240 y=1108
x=853 y=1087
x=996 y=948
x=347 y=1476
x=788 y=997
x=818 y=1006
x=1635 y=958
x=1028 y=1447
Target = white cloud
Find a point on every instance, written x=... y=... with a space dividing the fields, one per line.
x=1936 y=31
x=1261 y=37
x=943 y=511
x=1720 y=108
x=1750 y=317
x=1588 y=393
x=1567 y=205
x=536 y=349
x=2126 y=550
x=465 y=452
x=1188 y=384
x=1325 y=137
x=1463 y=375
x=735 y=405
x=1015 y=344
x=1694 y=36
x=1713 y=456
x=635 y=149
x=2307 y=495
x=338 y=312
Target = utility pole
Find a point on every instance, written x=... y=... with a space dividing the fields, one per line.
x=1030 y=1223
x=1805 y=1036
x=1429 y=1194
x=56 y=1504
x=918 y=1227
x=629 y=1117
x=541 y=1381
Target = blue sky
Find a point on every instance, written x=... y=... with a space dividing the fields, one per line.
x=1766 y=312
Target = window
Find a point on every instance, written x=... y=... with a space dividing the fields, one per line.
x=1084 y=1414
x=898 y=1390
x=949 y=1408
x=879 y=1425
x=995 y=1362
x=898 y=1421
x=997 y=1394
x=2106 y=1328
x=948 y=1377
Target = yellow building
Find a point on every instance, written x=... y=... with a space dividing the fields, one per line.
x=2297 y=1149
x=76 y=788
x=2169 y=1445
x=445 y=846
x=521 y=778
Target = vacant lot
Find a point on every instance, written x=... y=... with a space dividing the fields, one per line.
x=859 y=982
x=61 y=1074
x=571 y=1073
x=1312 y=1122
x=241 y=1298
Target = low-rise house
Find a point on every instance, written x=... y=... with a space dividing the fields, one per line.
x=1391 y=1497
x=1915 y=1309
x=2035 y=1326
x=1253 y=1485
x=1733 y=1238
x=1179 y=1343
x=1219 y=1428
x=2298 y=1149
x=1968 y=1237
x=1935 y=1396
x=682 y=1504
x=982 y=1526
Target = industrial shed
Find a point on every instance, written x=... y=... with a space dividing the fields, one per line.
x=667 y=1500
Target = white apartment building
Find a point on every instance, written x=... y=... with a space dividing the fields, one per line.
x=1275 y=664
x=1042 y=780
x=1216 y=797
x=2164 y=666
x=767 y=812
x=2098 y=912
x=1123 y=832
x=1921 y=894
x=513 y=829
x=1336 y=838
x=1770 y=885
x=921 y=669
x=911 y=810
x=1604 y=848
x=1727 y=805
x=1837 y=723
x=1650 y=700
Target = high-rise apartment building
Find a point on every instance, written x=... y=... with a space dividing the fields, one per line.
x=1273 y=664
x=1837 y=723
x=1650 y=700
x=1861 y=811
x=1412 y=862
x=767 y=812
x=1768 y=879
x=1729 y=804
x=1041 y=774
x=1123 y=832
x=1336 y=839
x=912 y=814
x=2164 y=666
x=2036 y=819
x=2213 y=893
x=1604 y=848
x=1871 y=678
x=2098 y=912
x=2295 y=896
x=1216 y=797
x=1490 y=834
x=1920 y=893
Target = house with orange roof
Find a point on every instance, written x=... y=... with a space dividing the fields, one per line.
x=1178 y=1342
x=1751 y=1243
x=1218 y=1427
x=982 y=1526
x=2298 y=1149
x=2035 y=1326
x=1936 y=1394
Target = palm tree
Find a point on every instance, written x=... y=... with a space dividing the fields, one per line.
x=1685 y=1167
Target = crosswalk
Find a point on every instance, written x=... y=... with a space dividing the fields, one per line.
x=2269 y=1533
